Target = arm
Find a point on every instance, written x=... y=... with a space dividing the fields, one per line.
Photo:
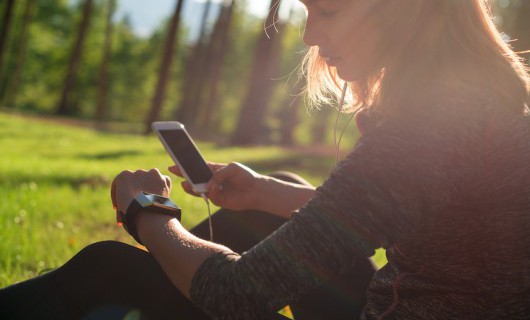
x=237 y=187
x=282 y=198
x=178 y=252
x=310 y=247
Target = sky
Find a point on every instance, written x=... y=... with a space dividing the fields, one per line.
x=146 y=16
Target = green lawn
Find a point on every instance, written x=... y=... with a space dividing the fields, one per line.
x=54 y=186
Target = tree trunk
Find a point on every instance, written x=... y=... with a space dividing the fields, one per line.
x=165 y=68
x=4 y=33
x=289 y=114
x=194 y=77
x=103 y=71
x=13 y=84
x=250 y=125
x=65 y=104
x=219 y=43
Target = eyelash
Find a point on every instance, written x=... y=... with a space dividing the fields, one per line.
x=324 y=13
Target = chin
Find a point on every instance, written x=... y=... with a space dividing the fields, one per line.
x=352 y=72
x=349 y=75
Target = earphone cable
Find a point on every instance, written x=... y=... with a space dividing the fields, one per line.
x=209 y=215
x=341 y=106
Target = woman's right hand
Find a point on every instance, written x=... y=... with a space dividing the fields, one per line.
x=233 y=186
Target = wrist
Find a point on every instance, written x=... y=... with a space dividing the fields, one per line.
x=145 y=203
x=262 y=196
x=147 y=223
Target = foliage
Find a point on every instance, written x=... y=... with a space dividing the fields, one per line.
x=134 y=66
x=512 y=18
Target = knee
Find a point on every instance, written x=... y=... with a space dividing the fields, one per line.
x=106 y=253
x=104 y=248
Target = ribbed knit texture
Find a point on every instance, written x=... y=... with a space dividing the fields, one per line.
x=445 y=191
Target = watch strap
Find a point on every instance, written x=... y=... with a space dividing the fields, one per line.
x=128 y=220
x=139 y=203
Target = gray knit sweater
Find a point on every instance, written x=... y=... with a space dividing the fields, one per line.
x=446 y=192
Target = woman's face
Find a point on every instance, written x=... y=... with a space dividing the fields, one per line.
x=347 y=34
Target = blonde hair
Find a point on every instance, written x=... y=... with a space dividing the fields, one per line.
x=446 y=46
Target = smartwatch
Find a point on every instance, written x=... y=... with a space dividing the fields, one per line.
x=149 y=203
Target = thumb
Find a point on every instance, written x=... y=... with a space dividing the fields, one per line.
x=225 y=173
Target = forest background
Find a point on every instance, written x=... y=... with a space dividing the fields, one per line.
x=235 y=82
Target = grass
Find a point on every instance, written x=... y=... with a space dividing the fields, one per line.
x=54 y=183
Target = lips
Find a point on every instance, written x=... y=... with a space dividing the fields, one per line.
x=331 y=60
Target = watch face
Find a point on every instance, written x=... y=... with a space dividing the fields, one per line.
x=155 y=200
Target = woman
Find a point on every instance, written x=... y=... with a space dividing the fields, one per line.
x=439 y=178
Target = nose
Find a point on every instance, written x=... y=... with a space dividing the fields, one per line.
x=314 y=34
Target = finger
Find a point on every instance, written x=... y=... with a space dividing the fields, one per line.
x=189 y=189
x=155 y=172
x=225 y=173
x=216 y=195
x=114 y=185
x=118 y=218
x=167 y=179
x=113 y=199
x=214 y=166
x=113 y=194
x=175 y=170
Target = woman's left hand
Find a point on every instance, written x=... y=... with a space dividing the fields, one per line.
x=127 y=184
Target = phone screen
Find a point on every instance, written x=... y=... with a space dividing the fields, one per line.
x=188 y=155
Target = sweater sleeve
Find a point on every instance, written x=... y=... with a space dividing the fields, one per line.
x=369 y=199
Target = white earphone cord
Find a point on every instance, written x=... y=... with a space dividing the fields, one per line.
x=209 y=215
x=341 y=106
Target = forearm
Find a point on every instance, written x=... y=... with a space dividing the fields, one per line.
x=282 y=198
x=178 y=252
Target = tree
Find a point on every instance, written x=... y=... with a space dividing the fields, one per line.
x=103 y=71
x=288 y=114
x=194 y=76
x=4 y=33
x=165 y=67
x=250 y=124
x=14 y=82
x=218 y=47
x=65 y=104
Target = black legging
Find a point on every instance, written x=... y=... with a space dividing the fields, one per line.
x=107 y=280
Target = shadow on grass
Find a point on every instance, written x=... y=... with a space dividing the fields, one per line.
x=74 y=182
x=110 y=155
x=316 y=165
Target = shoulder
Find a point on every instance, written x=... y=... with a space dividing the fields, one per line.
x=449 y=118
x=443 y=133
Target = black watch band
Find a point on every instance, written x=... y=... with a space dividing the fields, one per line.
x=128 y=220
x=149 y=203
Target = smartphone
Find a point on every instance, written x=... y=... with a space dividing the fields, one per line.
x=184 y=153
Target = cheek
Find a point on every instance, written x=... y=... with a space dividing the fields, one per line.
x=362 y=54
x=364 y=42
